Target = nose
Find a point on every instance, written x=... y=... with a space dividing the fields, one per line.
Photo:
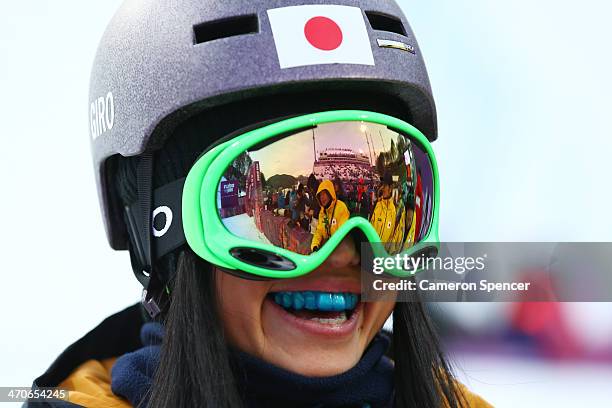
x=344 y=255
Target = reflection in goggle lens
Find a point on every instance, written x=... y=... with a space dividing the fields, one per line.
x=296 y=192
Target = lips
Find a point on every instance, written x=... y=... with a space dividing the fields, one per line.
x=326 y=304
x=329 y=324
x=328 y=307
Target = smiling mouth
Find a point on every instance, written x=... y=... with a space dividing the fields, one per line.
x=327 y=308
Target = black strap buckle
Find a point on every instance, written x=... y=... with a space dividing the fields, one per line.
x=150 y=305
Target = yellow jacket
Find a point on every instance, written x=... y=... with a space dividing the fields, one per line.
x=90 y=386
x=411 y=233
x=396 y=238
x=383 y=219
x=330 y=218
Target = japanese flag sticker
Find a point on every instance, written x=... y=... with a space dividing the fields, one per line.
x=320 y=34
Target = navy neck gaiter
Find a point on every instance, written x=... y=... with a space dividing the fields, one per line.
x=368 y=384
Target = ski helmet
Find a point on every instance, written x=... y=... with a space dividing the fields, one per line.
x=160 y=63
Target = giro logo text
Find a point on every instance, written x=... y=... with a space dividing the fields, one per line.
x=101 y=115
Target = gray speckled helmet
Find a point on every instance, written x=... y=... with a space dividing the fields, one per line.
x=161 y=62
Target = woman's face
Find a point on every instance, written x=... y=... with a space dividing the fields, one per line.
x=324 y=198
x=309 y=343
x=386 y=191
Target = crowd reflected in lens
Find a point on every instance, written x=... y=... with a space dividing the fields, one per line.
x=296 y=192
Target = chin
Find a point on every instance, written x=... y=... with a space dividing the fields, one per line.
x=315 y=361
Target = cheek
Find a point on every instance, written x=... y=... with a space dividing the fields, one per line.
x=240 y=303
x=378 y=313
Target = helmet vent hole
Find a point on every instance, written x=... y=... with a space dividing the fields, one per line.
x=228 y=27
x=384 y=22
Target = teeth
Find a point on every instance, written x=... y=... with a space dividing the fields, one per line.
x=310 y=301
x=287 y=300
x=323 y=301
x=298 y=301
x=333 y=321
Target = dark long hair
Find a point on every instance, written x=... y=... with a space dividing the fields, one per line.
x=422 y=374
x=196 y=369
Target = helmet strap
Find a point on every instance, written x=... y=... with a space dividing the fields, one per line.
x=153 y=287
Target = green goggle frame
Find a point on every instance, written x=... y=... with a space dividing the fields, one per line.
x=211 y=240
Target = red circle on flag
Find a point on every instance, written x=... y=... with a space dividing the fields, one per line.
x=323 y=33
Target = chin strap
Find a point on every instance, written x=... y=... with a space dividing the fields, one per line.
x=145 y=273
x=150 y=242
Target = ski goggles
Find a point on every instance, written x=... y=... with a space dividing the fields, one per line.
x=276 y=201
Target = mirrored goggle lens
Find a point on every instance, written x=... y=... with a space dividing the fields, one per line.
x=296 y=191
